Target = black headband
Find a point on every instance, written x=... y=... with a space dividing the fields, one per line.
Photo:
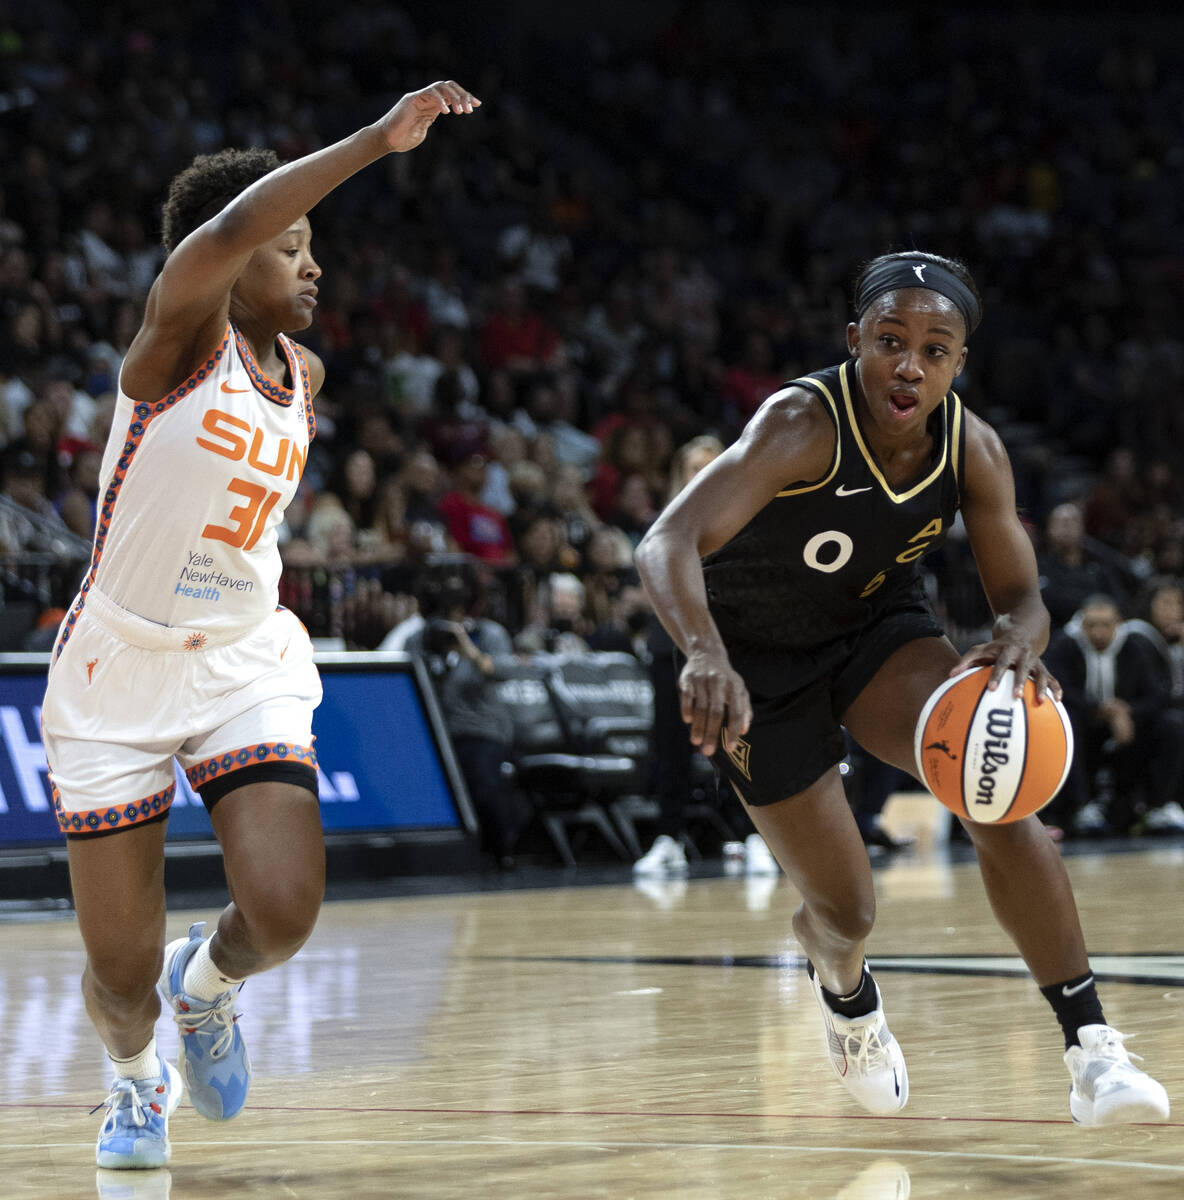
x=918 y=272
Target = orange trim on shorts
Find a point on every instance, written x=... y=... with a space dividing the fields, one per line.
x=250 y=756
x=102 y=820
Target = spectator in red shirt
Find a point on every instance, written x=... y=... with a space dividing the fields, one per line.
x=475 y=527
x=398 y=305
x=631 y=450
x=633 y=403
x=445 y=429
x=516 y=338
x=753 y=380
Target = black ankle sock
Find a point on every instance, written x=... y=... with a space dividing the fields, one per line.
x=858 y=1003
x=1075 y=1003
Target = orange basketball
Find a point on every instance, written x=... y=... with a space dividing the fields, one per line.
x=988 y=756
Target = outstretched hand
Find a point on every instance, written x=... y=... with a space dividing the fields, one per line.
x=1003 y=655
x=407 y=124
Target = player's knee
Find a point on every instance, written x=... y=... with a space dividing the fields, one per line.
x=1002 y=837
x=125 y=973
x=281 y=920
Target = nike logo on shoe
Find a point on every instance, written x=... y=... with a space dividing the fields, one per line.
x=896 y=1082
x=1066 y=990
x=843 y=490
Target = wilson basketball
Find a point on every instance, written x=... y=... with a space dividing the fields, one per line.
x=988 y=756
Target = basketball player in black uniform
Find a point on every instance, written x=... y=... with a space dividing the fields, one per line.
x=786 y=572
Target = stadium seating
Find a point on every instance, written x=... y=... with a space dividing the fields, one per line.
x=581 y=741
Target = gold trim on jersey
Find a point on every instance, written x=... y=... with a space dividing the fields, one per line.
x=813 y=384
x=869 y=458
x=956 y=442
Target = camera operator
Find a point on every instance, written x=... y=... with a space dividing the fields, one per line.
x=464 y=655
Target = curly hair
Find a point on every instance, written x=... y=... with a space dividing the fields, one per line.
x=207 y=186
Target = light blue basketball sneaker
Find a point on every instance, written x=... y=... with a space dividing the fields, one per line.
x=135 y=1133
x=213 y=1059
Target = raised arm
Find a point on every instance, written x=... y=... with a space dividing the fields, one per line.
x=1006 y=565
x=188 y=305
x=790 y=439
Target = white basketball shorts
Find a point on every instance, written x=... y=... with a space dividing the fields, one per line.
x=126 y=696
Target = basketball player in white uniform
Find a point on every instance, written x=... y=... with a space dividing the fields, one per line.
x=175 y=647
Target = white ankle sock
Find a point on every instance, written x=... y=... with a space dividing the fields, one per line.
x=145 y=1065
x=203 y=980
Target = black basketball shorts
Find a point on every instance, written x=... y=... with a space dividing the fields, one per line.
x=799 y=698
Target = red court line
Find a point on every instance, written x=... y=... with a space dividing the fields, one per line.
x=602 y=1112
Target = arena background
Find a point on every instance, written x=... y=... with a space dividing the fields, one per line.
x=654 y=220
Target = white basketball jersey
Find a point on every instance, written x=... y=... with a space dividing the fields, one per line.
x=193 y=489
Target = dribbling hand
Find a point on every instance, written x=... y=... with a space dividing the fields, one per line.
x=407 y=124
x=1004 y=654
x=710 y=693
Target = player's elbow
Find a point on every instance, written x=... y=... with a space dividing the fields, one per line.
x=654 y=553
x=645 y=554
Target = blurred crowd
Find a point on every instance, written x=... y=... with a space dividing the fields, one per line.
x=639 y=239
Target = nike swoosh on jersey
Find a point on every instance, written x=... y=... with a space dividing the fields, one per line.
x=843 y=490
x=227 y=388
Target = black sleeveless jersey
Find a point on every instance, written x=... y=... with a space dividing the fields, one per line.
x=822 y=560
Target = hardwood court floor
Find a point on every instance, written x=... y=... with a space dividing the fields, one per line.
x=617 y=1042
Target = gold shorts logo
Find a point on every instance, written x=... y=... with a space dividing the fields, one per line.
x=738 y=754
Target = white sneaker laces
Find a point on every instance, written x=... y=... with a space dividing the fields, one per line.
x=864 y=1047
x=216 y=1022
x=1111 y=1047
x=124 y=1094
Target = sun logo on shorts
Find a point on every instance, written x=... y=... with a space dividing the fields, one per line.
x=195 y=641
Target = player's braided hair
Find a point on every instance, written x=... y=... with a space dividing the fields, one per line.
x=207 y=186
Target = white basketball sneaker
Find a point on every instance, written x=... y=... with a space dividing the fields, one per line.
x=758 y=858
x=665 y=857
x=1167 y=818
x=865 y=1056
x=1108 y=1089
